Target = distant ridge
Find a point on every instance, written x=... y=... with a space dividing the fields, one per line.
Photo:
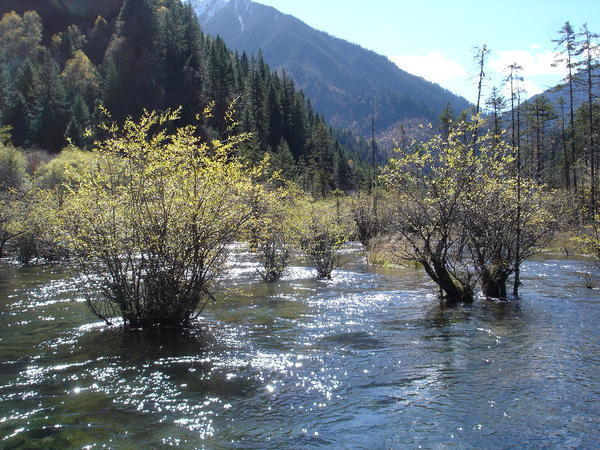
x=345 y=82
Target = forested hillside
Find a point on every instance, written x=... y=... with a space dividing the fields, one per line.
x=153 y=55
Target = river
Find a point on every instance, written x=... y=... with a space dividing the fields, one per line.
x=369 y=359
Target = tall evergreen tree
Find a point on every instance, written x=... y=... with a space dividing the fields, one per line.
x=588 y=48
x=566 y=44
x=79 y=123
x=49 y=110
x=538 y=113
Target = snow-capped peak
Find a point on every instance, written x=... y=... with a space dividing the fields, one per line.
x=205 y=9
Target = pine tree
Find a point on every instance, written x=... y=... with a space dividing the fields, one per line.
x=567 y=46
x=27 y=86
x=497 y=104
x=99 y=39
x=47 y=121
x=322 y=161
x=221 y=81
x=79 y=123
x=283 y=162
x=7 y=95
x=275 y=115
x=447 y=119
x=588 y=48
x=538 y=113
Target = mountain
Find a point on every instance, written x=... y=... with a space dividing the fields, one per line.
x=345 y=82
x=580 y=96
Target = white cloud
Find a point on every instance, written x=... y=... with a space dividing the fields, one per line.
x=534 y=63
x=433 y=67
x=529 y=87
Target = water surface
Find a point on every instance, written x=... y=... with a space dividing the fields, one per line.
x=367 y=360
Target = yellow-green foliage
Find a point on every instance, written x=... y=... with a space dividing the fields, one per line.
x=81 y=76
x=12 y=212
x=276 y=229
x=326 y=228
x=39 y=234
x=62 y=172
x=13 y=183
x=20 y=35
x=590 y=239
x=427 y=190
x=456 y=209
x=13 y=168
x=155 y=216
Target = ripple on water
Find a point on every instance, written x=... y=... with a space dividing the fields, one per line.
x=367 y=359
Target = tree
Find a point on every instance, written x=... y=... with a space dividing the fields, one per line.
x=282 y=161
x=12 y=212
x=567 y=46
x=67 y=43
x=456 y=212
x=81 y=78
x=47 y=122
x=497 y=104
x=368 y=222
x=7 y=94
x=490 y=218
x=39 y=238
x=20 y=36
x=539 y=112
x=447 y=120
x=13 y=169
x=134 y=49
x=152 y=221
x=563 y=139
x=515 y=79
x=322 y=161
x=13 y=183
x=426 y=191
x=588 y=47
x=481 y=53
x=99 y=39
x=591 y=240
x=78 y=128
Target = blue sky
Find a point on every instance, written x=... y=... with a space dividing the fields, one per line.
x=435 y=38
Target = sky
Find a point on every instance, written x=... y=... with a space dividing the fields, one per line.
x=435 y=39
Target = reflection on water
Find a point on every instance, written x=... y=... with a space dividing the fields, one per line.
x=368 y=359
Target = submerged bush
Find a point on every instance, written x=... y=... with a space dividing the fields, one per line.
x=275 y=232
x=152 y=221
x=39 y=239
x=61 y=173
x=12 y=212
x=13 y=184
x=325 y=231
x=463 y=213
x=590 y=238
x=427 y=189
x=13 y=168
